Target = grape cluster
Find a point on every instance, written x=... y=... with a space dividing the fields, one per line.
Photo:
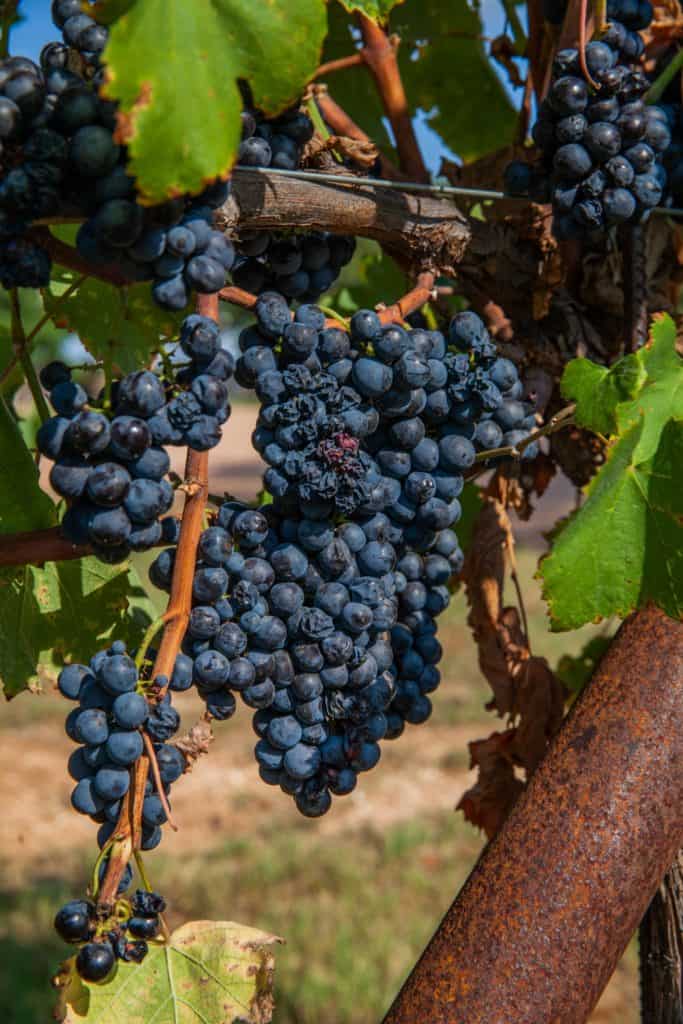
x=114 y=705
x=299 y=266
x=58 y=153
x=173 y=245
x=320 y=608
x=105 y=938
x=602 y=149
x=111 y=469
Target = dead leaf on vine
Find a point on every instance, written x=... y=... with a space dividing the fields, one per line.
x=525 y=690
x=534 y=478
x=503 y=52
x=484 y=576
x=359 y=151
x=195 y=742
x=488 y=802
x=539 y=705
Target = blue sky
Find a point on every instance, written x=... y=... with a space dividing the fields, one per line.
x=31 y=34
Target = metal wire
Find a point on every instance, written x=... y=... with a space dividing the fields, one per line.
x=410 y=186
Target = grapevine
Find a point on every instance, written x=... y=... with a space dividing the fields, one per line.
x=528 y=331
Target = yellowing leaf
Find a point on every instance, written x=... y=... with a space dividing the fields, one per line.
x=174 y=67
x=211 y=972
x=65 y=611
x=121 y=326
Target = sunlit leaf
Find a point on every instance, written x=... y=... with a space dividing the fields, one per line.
x=65 y=611
x=174 y=67
x=624 y=547
x=212 y=972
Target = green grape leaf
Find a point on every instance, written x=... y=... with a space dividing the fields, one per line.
x=598 y=391
x=215 y=972
x=377 y=10
x=23 y=506
x=65 y=611
x=624 y=547
x=443 y=64
x=120 y=326
x=180 y=104
x=107 y=11
x=575 y=670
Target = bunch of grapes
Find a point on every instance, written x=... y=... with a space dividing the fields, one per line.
x=602 y=148
x=79 y=32
x=634 y=15
x=109 y=461
x=106 y=937
x=115 y=706
x=299 y=266
x=320 y=608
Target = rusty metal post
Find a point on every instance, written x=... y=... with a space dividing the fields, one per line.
x=539 y=926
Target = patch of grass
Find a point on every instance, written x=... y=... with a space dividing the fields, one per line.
x=355 y=912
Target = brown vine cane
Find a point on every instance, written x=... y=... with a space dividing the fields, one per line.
x=379 y=53
x=129 y=825
x=409 y=303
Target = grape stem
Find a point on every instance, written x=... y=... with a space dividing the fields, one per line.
x=600 y=15
x=561 y=419
x=19 y=341
x=140 y=864
x=50 y=316
x=352 y=61
x=319 y=125
x=583 y=18
x=154 y=767
x=151 y=632
x=129 y=825
x=102 y=856
x=518 y=33
x=399 y=310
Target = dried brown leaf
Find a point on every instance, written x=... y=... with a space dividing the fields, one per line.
x=503 y=51
x=484 y=576
x=488 y=802
x=525 y=690
x=363 y=153
x=195 y=742
x=539 y=706
x=533 y=480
